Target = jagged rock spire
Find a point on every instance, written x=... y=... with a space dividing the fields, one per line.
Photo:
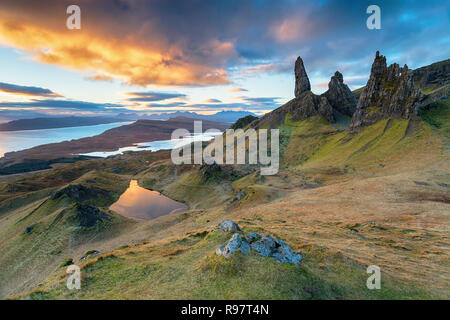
x=340 y=96
x=301 y=78
x=337 y=100
x=389 y=92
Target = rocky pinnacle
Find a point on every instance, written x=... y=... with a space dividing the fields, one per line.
x=340 y=96
x=301 y=78
x=389 y=92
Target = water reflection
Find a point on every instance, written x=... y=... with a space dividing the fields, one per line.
x=155 y=145
x=141 y=204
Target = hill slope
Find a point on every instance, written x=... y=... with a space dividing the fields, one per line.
x=343 y=199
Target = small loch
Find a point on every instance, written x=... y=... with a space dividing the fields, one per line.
x=141 y=204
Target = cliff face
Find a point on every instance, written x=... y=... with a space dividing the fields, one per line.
x=434 y=81
x=433 y=76
x=389 y=92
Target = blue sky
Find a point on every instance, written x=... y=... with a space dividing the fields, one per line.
x=203 y=56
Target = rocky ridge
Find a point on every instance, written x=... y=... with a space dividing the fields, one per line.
x=337 y=100
x=390 y=91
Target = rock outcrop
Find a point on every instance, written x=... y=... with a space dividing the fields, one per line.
x=436 y=75
x=232 y=245
x=209 y=171
x=301 y=78
x=339 y=95
x=338 y=100
x=87 y=216
x=79 y=192
x=89 y=254
x=434 y=81
x=266 y=246
x=389 y=92
x=243 y=122
x=28 y=229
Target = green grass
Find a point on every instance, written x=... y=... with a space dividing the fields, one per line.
x=191 y=270
x=182 y=262
x=66 y=262
x=438 y=116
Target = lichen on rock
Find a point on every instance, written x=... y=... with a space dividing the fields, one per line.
x=266 y=246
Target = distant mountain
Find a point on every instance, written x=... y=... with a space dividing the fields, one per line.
x=52 y=123
x=4 y=119
x=221 y=116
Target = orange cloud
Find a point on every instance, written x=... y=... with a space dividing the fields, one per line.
x=212 y=101
x=132 y=63
x=99 y=77
x=237 y=90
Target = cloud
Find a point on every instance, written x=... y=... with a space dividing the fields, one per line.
x=263 y=101
x=27 y=90
x=99 y=77
x=153 y=96
x=131 y=62
x=167 y=105
x=272 y=67
x=58 y=104
x=203 y=43
x=212 y=101
x=237 y=90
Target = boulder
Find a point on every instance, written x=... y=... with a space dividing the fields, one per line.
x=266 y=246
x=276 y=249
x=231 y=246
x=245 y=247
x=28 y=229
x=229 y=226
x=284 y=254
x=252 y=237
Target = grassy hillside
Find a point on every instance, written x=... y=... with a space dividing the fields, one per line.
x=343 y=200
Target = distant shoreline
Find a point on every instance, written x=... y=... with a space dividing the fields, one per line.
x=55 y=123
x=40 y=157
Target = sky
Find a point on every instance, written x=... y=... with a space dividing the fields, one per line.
x=157 y=56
